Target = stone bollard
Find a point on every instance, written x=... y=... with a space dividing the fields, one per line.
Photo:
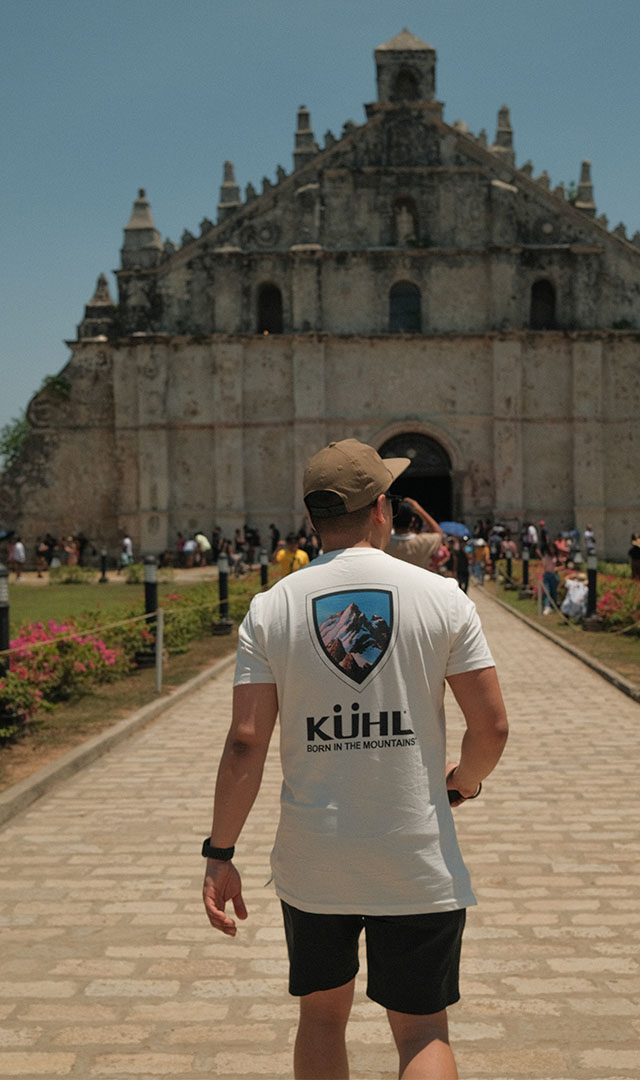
x=146 y=658
x=150 y=587
x=264 y=569
x=526 y=592
x=509 y=583
x=592 y=620
x=223 y=625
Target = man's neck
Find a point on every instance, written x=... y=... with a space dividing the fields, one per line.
x=336 y=545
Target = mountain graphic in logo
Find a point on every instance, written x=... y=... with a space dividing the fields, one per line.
x=354 y=629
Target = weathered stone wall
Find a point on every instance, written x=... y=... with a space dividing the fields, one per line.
x=171 y=433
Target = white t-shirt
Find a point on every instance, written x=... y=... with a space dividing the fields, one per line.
x=358 y=645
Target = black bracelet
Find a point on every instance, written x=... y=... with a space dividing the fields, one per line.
x=223 y=854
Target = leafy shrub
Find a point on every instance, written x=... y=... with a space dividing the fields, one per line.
x=621 y=570
x=134 y=574
x=13 y=437
x=67 y=665
x=71 y=657
x=618 y=603
x=19 y=699
x=72 y=575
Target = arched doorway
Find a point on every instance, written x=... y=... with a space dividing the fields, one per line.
x=428 y=478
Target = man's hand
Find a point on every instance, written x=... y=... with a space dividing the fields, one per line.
x=222 y=883
x=452 y=785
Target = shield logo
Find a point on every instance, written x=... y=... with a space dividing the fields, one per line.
x=353 y=630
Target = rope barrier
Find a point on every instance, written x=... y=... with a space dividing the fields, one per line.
x=73 y=635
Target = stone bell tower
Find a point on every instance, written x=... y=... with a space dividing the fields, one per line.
x=405 y=70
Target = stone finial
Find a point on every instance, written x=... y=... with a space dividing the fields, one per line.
x=305 y=145
x=635 y=239
x=482 y=137
x=281 y=174
x=584 y=201
x=604 y=221
x=527 y=168
x=102 y=294
x=504 y=133
x=206 y=226
x=503 y=146
x=461 y=127
x=544 y=179
x=559 y=191
x=329 y=140
x=229 y=193
x=186 y=238
x=620 y=231
x=99 y=313
x=141 y=216
x=266 y=184
x=169 y=248
x=142 y=245
x=250 y=192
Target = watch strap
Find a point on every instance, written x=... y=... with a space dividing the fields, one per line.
x=224 y=854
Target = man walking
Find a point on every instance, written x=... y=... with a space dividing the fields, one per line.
x=354 y=652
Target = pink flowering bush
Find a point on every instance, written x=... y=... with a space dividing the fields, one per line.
x=71 y=660
x=618 y=603
x=54 y=662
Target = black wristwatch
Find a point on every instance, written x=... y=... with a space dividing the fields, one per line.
x=224 y=854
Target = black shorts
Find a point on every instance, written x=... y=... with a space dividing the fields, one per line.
x=413 y=961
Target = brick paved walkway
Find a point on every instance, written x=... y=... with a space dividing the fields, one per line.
x=109 y=968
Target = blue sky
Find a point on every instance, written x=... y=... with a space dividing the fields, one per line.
x=101 y=99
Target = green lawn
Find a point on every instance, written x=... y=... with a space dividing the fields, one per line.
x=41 y=603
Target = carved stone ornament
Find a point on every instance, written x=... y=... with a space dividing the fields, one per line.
x=261 y=234
x=41 y=412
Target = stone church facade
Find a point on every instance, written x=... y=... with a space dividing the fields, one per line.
x=406 y=284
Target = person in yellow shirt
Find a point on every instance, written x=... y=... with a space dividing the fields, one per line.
x=291 y=557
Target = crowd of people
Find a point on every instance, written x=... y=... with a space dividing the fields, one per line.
x=417 y=537
x=49 y=552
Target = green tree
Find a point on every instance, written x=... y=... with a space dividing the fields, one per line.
x=13 y=436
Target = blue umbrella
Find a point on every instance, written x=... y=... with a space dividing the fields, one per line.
x=455 y=528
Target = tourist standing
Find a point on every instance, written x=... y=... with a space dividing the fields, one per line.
x=353 y=654
x=408 y=540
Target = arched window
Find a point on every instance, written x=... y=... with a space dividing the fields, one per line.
x=405 y=314
x=542 y=314
x=405 y=220
x=405 y=86
x=269 y=310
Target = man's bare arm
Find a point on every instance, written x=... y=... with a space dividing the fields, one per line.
x=478 y=695
x=255 y=707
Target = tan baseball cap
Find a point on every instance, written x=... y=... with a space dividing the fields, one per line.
x=353 y=471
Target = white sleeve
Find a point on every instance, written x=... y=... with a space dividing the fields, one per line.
x=252 y=665
x=468 y=650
